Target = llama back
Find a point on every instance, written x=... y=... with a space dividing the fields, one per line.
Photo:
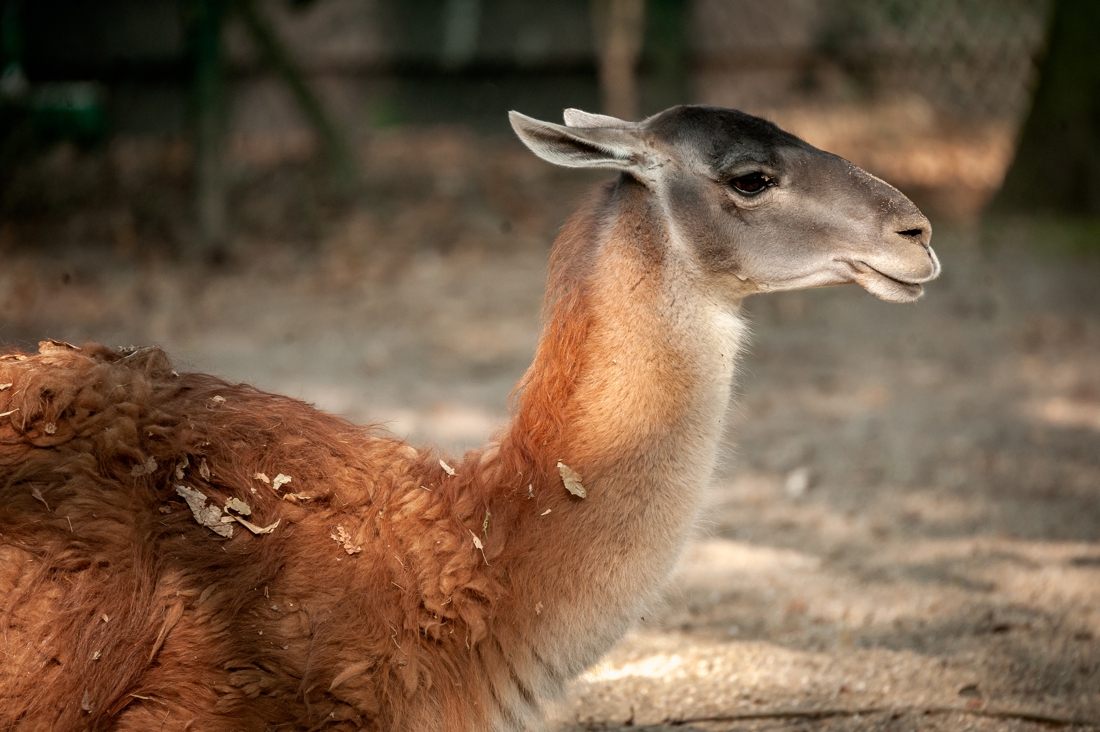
x=119 y=602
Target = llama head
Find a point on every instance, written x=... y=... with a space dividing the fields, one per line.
x=755 y=208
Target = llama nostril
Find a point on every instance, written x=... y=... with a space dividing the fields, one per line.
x=919 y=235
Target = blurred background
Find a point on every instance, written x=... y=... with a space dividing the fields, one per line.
x=323 y=198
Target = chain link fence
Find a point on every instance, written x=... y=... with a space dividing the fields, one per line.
x=967 y=58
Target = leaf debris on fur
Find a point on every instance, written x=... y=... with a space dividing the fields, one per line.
x=51 y=428
x=571 y=480
x=5 y=387
x=480 y=547
x=181 y=466
x=253 y=527
x=236 y=504
x=36 y=492
x=295 y=497
x=280 y=480
x=341 y=536
x=208 y=516
x=218 y=399
x=447 y=468
x=545 y=512
x=263 y=477
x=9 y=412
x=146 y=468
x=204 y=469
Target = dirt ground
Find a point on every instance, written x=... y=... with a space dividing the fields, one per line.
x=904 y=533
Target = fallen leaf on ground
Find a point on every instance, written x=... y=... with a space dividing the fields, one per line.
x=280 y=481
x=572 y=480
x=343 y=538
x=447 y=468
x=208 y=516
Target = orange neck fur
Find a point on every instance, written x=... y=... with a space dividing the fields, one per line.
x=629 y=385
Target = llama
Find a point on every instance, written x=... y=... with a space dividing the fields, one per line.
x=182 y=553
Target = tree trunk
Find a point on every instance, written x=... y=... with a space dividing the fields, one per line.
x=620 y=26
x=1057 y=165
x=209 y=126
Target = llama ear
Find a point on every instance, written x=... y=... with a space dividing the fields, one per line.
x=580 y=118
x=581 y=147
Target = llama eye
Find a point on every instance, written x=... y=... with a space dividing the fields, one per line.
x=752 y=183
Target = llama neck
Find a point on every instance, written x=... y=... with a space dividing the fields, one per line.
x=629 y=388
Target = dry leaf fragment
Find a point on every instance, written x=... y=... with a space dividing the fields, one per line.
x=253 y=527
x=280 y=480
x=5 y=387
x=147 y=468
x=261 y=476
x=293 y=497
x=236 y=504
x=36 y=492
x=480 y=547
x=204 y=469
x=208 y=516
x=181 y=466
x=218 y=399
x=545 y=512
x=9 y=412
x=86 y=702
x=343 y=538
x=447 y=468
x=538 y=609
x=106 y=619
x=572 y=480
x=95 y=656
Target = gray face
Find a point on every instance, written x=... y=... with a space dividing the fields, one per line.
x=756 y=206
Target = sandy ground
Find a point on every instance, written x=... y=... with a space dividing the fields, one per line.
x=905 y=530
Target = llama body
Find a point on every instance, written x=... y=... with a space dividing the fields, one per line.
x=394 y=594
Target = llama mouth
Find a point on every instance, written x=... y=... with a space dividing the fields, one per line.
x=885 y=286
